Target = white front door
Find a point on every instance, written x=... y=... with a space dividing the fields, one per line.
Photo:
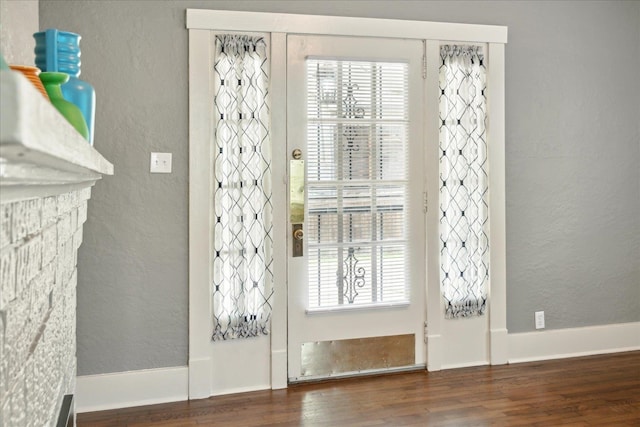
x=357 y=294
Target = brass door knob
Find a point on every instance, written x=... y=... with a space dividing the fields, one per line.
x=298 y=234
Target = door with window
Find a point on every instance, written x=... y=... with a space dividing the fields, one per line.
x=356 y=286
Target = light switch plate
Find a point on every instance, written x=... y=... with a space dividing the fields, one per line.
x=160 y=163
x=539 y=316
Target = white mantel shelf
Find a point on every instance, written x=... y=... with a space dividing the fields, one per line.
x=46 y=172
x=40 y=152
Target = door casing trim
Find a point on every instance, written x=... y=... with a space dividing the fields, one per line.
x=342 y=26
x=200 y=24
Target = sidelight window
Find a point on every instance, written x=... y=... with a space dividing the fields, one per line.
x=242 y=209
x=464 y=184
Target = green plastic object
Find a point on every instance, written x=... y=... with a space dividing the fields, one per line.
x=52 y=82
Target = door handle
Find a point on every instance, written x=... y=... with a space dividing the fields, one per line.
x=296 y=191
x=298 y=236
x=296 y=201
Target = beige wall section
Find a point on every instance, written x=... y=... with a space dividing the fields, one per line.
x=18 y=21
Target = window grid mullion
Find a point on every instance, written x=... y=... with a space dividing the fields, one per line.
x=361 y=131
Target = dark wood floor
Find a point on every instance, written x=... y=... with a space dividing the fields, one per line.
x=587 y=391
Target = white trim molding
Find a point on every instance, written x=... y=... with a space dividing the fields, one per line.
x=43 y=155
x=497 y=206
x=132 y=388
x=341 y=26
x=269 y=359
x=280 y=198
x=574 y=342
x=200 y=177
x=499 y=348
x=199 y=377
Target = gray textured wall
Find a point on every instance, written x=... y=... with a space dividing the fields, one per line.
x=18 y=21
x=573 y=150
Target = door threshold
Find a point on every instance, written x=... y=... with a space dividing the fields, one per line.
x=357 y=374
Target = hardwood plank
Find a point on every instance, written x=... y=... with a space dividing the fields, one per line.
x=589 y=391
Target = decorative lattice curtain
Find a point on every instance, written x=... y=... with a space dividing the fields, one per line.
x=464 y=241
x=242 y=230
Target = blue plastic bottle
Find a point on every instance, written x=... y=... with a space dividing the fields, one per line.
x=59 y=51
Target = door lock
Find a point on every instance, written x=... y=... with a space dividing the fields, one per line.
x=298 y=236
x=296 y=201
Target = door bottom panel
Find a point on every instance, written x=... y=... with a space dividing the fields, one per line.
x=335 y=357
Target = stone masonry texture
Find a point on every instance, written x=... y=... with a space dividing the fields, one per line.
x=39 y=239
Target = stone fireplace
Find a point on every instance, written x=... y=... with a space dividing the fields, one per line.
x=46 y=173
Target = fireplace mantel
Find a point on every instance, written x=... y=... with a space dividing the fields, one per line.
x=38 y=147
x=47 y=170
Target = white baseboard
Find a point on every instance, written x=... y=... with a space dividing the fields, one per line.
x=133 y=388
x=574 y=342
x=236 y=390
x=152 y=386
x=472 y=364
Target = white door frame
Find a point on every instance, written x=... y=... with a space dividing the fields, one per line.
x=273 y=372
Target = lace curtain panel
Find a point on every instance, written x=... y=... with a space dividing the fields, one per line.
x=464 y=241
x=242 y=227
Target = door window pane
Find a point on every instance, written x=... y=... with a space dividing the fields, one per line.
x=357 y=182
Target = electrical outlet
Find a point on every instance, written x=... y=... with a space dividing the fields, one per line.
x=160 y=163
x=539 y=316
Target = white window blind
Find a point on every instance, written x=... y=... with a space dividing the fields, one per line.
x=357 y=182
